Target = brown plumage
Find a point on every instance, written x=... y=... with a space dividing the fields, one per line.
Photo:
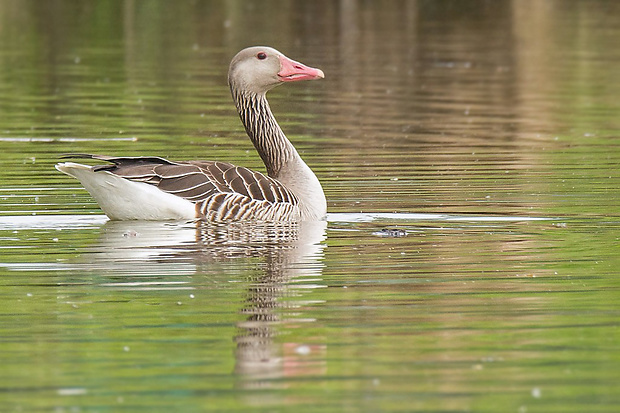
x=220 y=190
x=213 y=190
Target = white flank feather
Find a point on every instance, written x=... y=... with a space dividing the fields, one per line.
x=121 y=199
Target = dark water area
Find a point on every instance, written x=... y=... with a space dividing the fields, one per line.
x=470 y=155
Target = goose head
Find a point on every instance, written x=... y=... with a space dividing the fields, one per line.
x=260 y=68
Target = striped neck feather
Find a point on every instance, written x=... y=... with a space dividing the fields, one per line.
x=261 y=126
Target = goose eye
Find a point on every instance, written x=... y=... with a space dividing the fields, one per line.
x=261 y=56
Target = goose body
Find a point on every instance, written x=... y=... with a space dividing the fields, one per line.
x=153 y=188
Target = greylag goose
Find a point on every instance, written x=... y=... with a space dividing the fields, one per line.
x=153 y=188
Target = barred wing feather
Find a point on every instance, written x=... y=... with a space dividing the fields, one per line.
x=220 y=190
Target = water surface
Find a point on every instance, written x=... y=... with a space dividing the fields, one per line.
x=469 y=262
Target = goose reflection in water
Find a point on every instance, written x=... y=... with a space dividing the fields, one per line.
x=289 y=262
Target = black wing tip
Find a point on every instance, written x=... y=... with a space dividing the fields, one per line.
x=118 y=160
x=79 y=156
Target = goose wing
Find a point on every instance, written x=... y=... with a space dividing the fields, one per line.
x=220 y=190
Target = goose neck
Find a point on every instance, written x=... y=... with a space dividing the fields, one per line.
x=261 y=126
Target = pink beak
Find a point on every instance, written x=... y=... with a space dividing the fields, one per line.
x=291 y=71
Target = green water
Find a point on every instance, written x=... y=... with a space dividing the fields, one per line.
x=487 y=131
